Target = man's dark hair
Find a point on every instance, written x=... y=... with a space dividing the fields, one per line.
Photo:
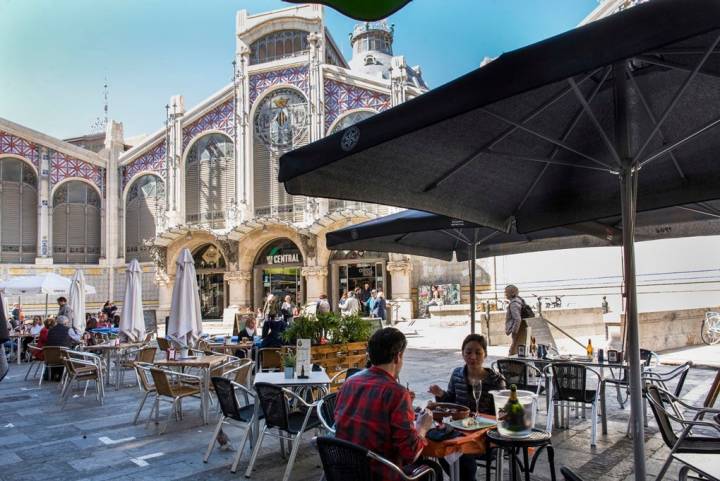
x=475 y=338
x=385 y=344
x=61 y=299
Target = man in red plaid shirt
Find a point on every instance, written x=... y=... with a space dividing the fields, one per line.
x=375 y=411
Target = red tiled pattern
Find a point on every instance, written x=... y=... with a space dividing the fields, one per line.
x=11 y=144
x=297 y=76
x=341 y=97
x=219 y=118
x=153 y=160
x=63 y=166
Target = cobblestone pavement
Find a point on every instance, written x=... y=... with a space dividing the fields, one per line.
x=85 y=441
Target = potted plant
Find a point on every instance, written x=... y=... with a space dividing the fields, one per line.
x=289 y=365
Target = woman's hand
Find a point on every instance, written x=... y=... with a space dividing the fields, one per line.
x=436 y=391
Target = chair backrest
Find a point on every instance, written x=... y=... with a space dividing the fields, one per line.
x=225 y=392
x=241 y=375
x=664 y=423
x=514 y=372
x=646 y=356
x=713 y=392
x=141 y=371
x=569 y=381
x=343 y=461
x=326 y=411
x=146 y=354
x=53 y=355
x=163 y=343
x=162 y=383
x=269 y=358
x=273 y=404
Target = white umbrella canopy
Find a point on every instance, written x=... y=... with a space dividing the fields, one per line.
x=76 y=300
x=185 y=323
x=132 y=321
x=46 y=283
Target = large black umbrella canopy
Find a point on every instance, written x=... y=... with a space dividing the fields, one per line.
x=541 y=122
x=612 y=118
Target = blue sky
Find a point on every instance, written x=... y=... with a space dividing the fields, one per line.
x=55 y=54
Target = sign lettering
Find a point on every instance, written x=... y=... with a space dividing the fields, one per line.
x=283 y=258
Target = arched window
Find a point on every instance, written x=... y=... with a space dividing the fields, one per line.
x=144 y=204
x=210 y=181
x=280 y=125
x=18 y=212
x=277 y=45
x=76 y=224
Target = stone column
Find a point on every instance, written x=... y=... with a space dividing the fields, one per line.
x=398 y=79
x=44 y=252
x=176 y=183
x=316 y=207
x=114 y=145
x=239 y=289
x=401 y=292
x=243 y=132
x=315 y=281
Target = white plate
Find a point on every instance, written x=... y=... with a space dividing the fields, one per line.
x=483 y=423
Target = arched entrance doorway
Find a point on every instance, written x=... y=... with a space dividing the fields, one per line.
x=351 y=269
x=278 y=270
x=210 y=269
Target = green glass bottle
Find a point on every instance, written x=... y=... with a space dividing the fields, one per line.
x=513 y=413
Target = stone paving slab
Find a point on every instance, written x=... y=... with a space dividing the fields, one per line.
x=85 y=441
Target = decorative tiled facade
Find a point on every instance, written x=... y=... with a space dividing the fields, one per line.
x=153 y=160
x=10 y=144
x=63 y=166
x=341 y=97
x=219 y=118
x=297 y=76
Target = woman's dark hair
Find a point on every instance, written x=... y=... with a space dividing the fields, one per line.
x=385 y=344
x=475 y=338
x=91 y=324
x=61 y=299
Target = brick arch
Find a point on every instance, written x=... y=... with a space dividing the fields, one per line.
x=199 y=238
x=256 y=240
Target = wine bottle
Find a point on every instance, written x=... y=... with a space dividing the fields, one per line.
x=512 y=415
x=589 y=349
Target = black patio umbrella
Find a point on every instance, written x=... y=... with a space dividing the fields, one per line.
x=608 y=119
x=433 y=235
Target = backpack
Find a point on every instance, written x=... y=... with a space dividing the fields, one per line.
x=526 y=311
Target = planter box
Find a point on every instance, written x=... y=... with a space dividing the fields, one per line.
x=336 y=357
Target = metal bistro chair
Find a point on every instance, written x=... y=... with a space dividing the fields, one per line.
x=175 y=392
x=82 y=366
x=569 y=385
x=269 y=359
x=698 y=453
x=144 y=355
x=51 y=359
x=142 y=370
x=345 y=461
x=34 y=361
x=341 y=376
x=519 y=373
x=646 y=357
x=326 y=412
x=232 y=412
x=290 y=424
x=569 y=474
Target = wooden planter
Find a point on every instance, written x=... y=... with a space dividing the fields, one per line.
x=336 y=357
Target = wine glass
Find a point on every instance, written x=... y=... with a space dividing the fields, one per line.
x=477 y=392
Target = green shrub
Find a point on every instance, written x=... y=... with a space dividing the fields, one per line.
x=332 y=327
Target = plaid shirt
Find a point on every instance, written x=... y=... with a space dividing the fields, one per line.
x=375 y=412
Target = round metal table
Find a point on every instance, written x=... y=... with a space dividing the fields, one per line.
x=538 y=439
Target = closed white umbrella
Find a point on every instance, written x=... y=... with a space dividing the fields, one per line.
x=184 y=323
x=76 y=300
x=132 y=321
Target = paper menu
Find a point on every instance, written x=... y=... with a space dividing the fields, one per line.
x=302 y=357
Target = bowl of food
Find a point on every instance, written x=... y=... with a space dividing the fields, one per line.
x=441 y=411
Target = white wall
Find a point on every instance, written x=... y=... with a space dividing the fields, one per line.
x=672 y=274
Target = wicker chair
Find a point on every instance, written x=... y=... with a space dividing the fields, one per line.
x=172 y=392
x=269 y=359
x=144 y=355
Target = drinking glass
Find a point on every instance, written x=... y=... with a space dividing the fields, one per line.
x=477 y=392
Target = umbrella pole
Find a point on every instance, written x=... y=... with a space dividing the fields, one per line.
x=471 y=267
x=628 y=196
x=46 y=305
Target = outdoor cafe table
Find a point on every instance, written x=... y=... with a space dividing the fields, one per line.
x=18 y=341
x=620 y=366
x=451 y=449
x=205 y=364
x=232 y=347
x=317 y=379
x=109 y=350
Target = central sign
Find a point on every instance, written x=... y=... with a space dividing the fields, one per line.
x=292 y=258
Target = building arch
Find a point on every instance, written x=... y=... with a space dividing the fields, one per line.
x=135 y=177
x=209 y=168
x=278 y=44
x=78 y=179
x=357 y=115
x=76 y=222
x=18 y=210
x=144 y=203
x=281 y=23
x=24 y=159
x=280 y=122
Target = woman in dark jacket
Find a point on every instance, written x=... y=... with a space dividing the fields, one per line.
x=4 y=337
x=273 y=326
x=460 y=389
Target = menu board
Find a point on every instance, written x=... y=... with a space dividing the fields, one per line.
x=302 y=357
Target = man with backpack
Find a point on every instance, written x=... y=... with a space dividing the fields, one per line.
x=517 y=312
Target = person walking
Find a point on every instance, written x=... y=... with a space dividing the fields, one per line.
x=515 y=325
x=364 y=298
x=287 y=309
x=322 y=306
x=351 y=306
x=380 y=306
